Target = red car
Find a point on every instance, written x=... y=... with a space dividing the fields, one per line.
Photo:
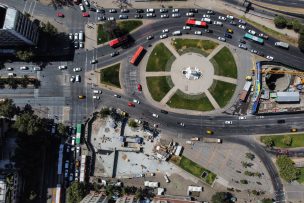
x=86 y=14
x=59 y=14
x=139 y=87
x=130 y=104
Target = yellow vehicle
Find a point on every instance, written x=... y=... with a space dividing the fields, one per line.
x=209 y=132
x=229 y=30
x=293 y=130
x=248 y=78
x=81 y=97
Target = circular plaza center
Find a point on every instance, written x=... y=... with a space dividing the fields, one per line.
x=192 y=73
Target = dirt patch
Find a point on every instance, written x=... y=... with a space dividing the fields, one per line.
x=97 y=124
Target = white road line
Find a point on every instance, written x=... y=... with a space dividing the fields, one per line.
x=24 y=8
x=35 y=2
x=29 y=9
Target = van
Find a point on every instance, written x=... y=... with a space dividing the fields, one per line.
x=11 y=74
x=175 y=33
x=81 y=36
x=77 y=78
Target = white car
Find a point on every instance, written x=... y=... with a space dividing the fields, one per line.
x=198 y=33
x=112 y=10
x=76 y=69
x=182 y=124
x=124 y=10
x=228 y=122
x=76 y=36
x=81 y=7
x=138 y=121
x=111 y=18
x=86 y=2
x=77 y=150
x=150 y=10
x=252 y=32
x=155 y=115
x=221 y=39
x=175 y=15
x=189 y=14
x=165 y=30
x=23 y=68
x=175 y=10
x=93 y=61
x=97 y=91
x=270 y=58
x=123 y=17
x=163 y=10
x=164 y=16
x=96 y=97
x=62 y=67
x=9 y=69
x=242 y=27
x=81 y=44
x=242 y=117
x=230 y=17
x=222 y=18
x=186 y=27
x=217 y=23
x=136 y=101
x=150 y=15
x=243 y=46
x=72 y=79
x=163 y=36
x=150 y=37
x=206 y=16
x=71 y=36
x=242 y=22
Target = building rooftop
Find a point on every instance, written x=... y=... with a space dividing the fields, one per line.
x=2 y=15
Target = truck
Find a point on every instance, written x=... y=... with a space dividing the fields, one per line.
x=212 y=140
x=282 y=45
x=151 y=184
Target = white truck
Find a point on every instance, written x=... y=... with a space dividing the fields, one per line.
x=282 y=45
x=151 y=184
x=212 y=140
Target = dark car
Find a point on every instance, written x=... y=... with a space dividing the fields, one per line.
x=164 y=112
x=228 y=35
x=93 y=9
x=208 y=31
x=139 y=10
x=242 y=41
x=138 y=16
x=281 y=121
x=193 y=10
x=232 y=23
x=115 y=53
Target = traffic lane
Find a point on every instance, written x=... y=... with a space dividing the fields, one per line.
x=289 y=3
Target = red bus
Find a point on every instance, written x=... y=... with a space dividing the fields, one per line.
x=118 y=41
x=137 y=54
x=193 y=22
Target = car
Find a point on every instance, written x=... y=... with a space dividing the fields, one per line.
x=198 y=33
x=263 y=36
x=150 y=37
x=270 y=58
x=71 y=36
x=9 y=69
x=81 y=7
x=175 y=15
x=81 y=97
x=229 y=30
x=242 y=46
x=136 y=101
x=85 y=14
x=24 y=68
x=155 y=125
x=186 y=27
x=97 y=92
x=242 y=27
x=150 y=15
x=100 y=10
x=77 y=150
x=163 y=36
x=193 y=10
x=139 y=11
x=112 y=10
x=208 y=31
x=209 y=132
x=242 y=41
x=281 y=121
x=242 y=22
x=154 y=115
x=37 y=68
x=76 y=44
x=138 y=121
x=175 y=10
x=228 y=35
x=163 y=10
x=150 y=10
x=163 y=111
x=93 y=9
x=139 y=88
x=123 y=17
x=59 y=14
x=190 y=14
x=210 y=12
x=117 y=96
x=165 y=30
x=76 y=36
x=232 y=23
x=228 y=122
x=130 y=104
x=66 y=173
x=293 y=130
x=96 y=97
x=181 y=124
x=221 y=39
x=71 y=177
x=164 y=16
x=115 y=53
x=77 y=78
x=77 y=69
x=260 y=53
x=253 y=51
x=206 y=16
x=111 y=18
x=252 y=32
x=217 y=23
x=72 y=79
x=93 y=61
x=86 y=3
x=138 y=16
x=242 y=117
x=81 y=44
x=230 y=17
x=222 y=18
x=124 y=10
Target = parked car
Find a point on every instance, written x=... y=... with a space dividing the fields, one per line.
x=242 y=46
x=123 y=17
x=242 y=117
x=242 y=22
x=138 y=16
x=115 y=53
x=124 y=10
x=206 y=16
x=221 y=39
x=263 y=36
x=93 y=61
x=77 y=69
x=198 y=33
x=111 y=18
x=139 y=88
x=150 y=15
x=139 y=11
x=175 y=10
x=232 y=23
x=193 y=10
x=190 y=14
x=136 y=101
x=229 y=30
x=228 y=35
x=210 y=12
x=175 y=15
x=155 y=115
x=130 y=104
x=117 y=96
x=242 y=27
x=71 y=36
x=164 y=16
x=252 y=32
x=96 y=97
x=59 y=14
x=230 y=17
x=85 y=14
x=150 y=37
x=228 y=122
x=163 y=10
x=24 y=68
x=186 y=27
x=270 y=58
x=112 y=10
x=222 y=18
x=163 y=36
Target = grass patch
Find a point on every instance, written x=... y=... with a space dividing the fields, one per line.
x=158 y=86
x=271 y=32
x=160 y=58
x=224 y=63
x=111 y=30
x=196 y=170
x=222 y=92
x=301 y=177
x=204 y=47
x=181 y=100
x=110 y=75
x=297 y=140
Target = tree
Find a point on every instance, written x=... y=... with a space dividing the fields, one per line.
x=104 y=112
x=246 y=164
x=48 y=28
x=29 y=124
x=267 y=201
x=244 y=181
x=287 y=169
x=8 y=109
x=221 y=197
x=287 y=140
x=62 y=129
x=25 y=55
x=132 y=123
x=301 y=41
x=248 y=173
x=76 y=192
x=250 y=156
x=296 y=25
x=280 y=22
x=268 y=141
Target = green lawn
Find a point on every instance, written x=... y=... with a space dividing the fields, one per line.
x=111 y=30
x=297 y=140
x=160 y=59
x=224 y=63
x=181 y=100
x=204 y=47
x=158 y=86
x=222 y=92
x=110 y=75
x=301 y=177
x=196 y=170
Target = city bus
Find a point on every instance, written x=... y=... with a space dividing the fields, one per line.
x=58 y=193
x=78 y=133
x=193 y=22
x=137 y=55
x=82 y=168
x=60 y=156
x=254 y=38
x=118 y=41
